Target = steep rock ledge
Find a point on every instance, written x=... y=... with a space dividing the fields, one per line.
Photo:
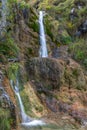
x=46 y=73
x=8 y=104
x=50 y=73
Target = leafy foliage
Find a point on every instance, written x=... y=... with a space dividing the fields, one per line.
x=4 y=120
x=8 y=48
x=79 y=51
x=13 y=71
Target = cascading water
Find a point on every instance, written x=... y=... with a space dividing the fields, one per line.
x=3 y=16
x=43 y=47
x=26 y=120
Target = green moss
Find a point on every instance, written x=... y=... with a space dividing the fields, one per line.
x=12 y=71
x=26 y=103
x=35 y=26
x=5 y=120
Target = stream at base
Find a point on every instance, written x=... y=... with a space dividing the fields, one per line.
x=52 y=127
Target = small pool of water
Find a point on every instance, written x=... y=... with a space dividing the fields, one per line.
x=50 y=127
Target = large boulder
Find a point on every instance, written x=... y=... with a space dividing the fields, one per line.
x=45 y=72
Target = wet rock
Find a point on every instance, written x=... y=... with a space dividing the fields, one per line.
x=82 y=29
x=73 y=14
x=13 y=60
x=6 y=102
x=1 y=76
x=25 y=13
x=79 y=4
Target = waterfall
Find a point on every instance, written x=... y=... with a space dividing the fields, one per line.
x=43 y=47
x=26 y=120
x=3 y=16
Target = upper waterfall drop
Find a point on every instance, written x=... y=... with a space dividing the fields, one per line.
x=43 y=47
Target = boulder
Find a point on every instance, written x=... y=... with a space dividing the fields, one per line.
x=45 y=72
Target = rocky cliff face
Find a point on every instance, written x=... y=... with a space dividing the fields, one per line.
x=59 y=84
x=8 y=116
x=51 y=73
x=48 y=86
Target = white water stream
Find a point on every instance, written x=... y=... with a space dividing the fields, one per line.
x=26 y=120
x=43 y=48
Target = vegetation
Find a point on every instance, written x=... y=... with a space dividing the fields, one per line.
x=12 y=71
x=26 y=103
x=5 y=121
x=8 y=48
x=79 y=51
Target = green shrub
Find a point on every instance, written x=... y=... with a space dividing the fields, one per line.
x=79 y=51
x=34 y=25
x=26 y=103
x=8 y=47
x=4 y=120
x=13 y=71
x=65 y=39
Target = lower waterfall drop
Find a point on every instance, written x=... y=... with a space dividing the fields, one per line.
x=26 y=120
